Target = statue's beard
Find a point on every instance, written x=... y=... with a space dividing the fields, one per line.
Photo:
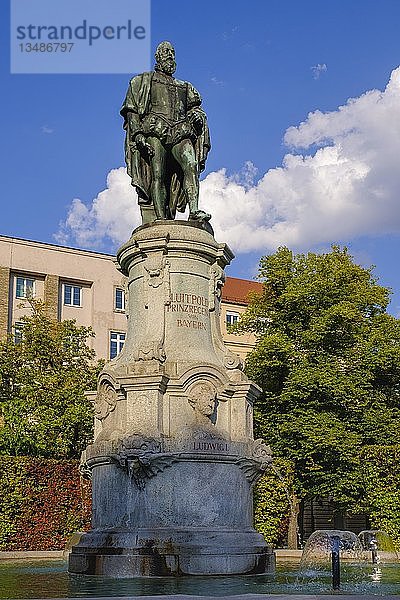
x=167 y=66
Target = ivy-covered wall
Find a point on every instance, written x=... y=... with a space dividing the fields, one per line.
x=273 y=494
x=380 y=501
x=42 y=502
x=382 y=488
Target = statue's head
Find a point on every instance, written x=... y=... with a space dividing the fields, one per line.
x=165 y=58
x=202 y=398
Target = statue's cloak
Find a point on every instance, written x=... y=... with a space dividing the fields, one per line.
x=137 y=106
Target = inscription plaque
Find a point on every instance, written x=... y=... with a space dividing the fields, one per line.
x=190 y=308
x=210 y=446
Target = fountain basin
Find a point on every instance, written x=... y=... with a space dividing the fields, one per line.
x=50 y=579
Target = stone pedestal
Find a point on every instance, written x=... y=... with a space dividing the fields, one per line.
x=174 y=460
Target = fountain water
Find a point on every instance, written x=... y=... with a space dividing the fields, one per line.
x=378 y=547
x=331 y=556
x=27 y=579
x=339 y=560
x=379 y=550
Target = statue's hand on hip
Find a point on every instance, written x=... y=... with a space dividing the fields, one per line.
x=144 y=147
x=196 y=120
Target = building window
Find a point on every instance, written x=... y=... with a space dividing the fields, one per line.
x=117 y=341
x=18 y=332
x=231 y=318
x=119 y=299
x=72 y=295
x=25 y=287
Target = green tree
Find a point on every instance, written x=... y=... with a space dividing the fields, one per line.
x=328 y=360
x=43 y=409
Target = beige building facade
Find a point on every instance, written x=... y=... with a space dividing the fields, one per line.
x=86 y=286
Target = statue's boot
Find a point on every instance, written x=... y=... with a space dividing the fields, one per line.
x=192 y=195
x=199 y=215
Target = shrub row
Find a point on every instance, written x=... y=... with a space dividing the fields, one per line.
x=380 y=502
x=382 y=488
x=273 y=494
x=42 y=502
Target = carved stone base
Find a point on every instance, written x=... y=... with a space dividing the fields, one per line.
x=173 y=460
x=192 y=518
x=171 y=552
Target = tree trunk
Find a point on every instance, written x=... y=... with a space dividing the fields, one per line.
x=293 y=525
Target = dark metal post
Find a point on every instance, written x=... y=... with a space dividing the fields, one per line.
x=374 y=551
x=336 y=562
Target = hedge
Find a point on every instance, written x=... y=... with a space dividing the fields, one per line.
x=382 y=488
x=272 y=496
x=42 y=502
x=380 y=501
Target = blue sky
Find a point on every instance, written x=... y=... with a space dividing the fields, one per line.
x=261 y=68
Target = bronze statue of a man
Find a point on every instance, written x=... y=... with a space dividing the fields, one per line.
x=167 y=140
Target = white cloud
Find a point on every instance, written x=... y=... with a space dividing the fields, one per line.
x=348 y=184
x=47 y=129
x=227 y=35
x=318 y=69
x=111 y=216
x=217 y=81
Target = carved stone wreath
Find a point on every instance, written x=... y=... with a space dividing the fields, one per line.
x=106 y=400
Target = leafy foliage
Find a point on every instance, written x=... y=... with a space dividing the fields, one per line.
x=272 y=499
x=328 y=360
x=43 y=409
x=382 y=483
x=42 y=502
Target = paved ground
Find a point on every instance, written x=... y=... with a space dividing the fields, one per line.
x=57 y=554
x=41 y=555
x=247 y=597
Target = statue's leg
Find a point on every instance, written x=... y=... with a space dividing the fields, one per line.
x=184 y=154
x=157 y=189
